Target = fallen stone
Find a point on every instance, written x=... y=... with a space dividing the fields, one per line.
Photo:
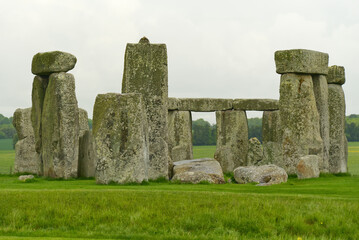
x=301 y=61
x=27 y=160
x=198 y=170
x=120 y=133
x=336 y=99
x=232 y=139
x=23 y=178
x=146 y=72
x=256 y=104
x=255 y=152
x=299 y=120
x=336 y=75
x=180 y=135
x=60 y=128
x=321 y=97
x=272 y=138
x=44 y=64
x=39 y=86
x=308 y=167
x=264 y=175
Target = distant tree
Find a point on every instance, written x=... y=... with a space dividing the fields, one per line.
x=90 y=123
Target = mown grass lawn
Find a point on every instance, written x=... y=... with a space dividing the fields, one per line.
x=324 y=208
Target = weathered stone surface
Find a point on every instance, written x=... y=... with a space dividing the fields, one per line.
x=120 y=133
x=321 y=97
x=272 y=138
x=173 y=104
x=23 y=178
x=255 y=152
x=336 y=75
x=44 y=64
x=264 y=175
x=299 y=120
x=308 y=167
x=39 y=86
x=232 y=139
x=180 y=135
x=336 y=99
x=301 y=61
x=87 y=159
x=256 y=104
x=60 y=128
x=198 y=170
x=26 y=158
x=146 y=72
x=204 y=104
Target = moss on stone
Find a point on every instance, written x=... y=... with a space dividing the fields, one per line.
x=44 y=64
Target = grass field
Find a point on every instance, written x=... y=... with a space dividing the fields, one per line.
x=323 y=208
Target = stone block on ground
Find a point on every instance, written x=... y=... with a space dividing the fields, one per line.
x=232 y=139
x=180 y=135
x=256 y=104
x=255 y=152
x=336 y=99
x=45 y=63
x=146 y=72
x=336 y=75
x=120 y=134
x=301 y=61
x=263 y=175
x=24 y=178
x=321 y=97
x=299 y=120
x=198 y=170
x=26 y=158
x=60 y=128
x=308 y=167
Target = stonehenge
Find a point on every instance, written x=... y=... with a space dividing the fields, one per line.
x=142 y=134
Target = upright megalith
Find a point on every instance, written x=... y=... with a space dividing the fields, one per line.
x=60 y=127
x=232 y=139
x=39 y=86
x=255 y=152
x=298 y=110
x=146 y=72
x=120 y=132
x=87 y=159
x=26 y=158
x=336 y=100
x=272 y=138
x=320 y=86
x=44 y=64
x=180 y=135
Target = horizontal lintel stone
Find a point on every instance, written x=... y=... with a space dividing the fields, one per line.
x=301 y=61
x=256 y=104
x=200 y=104
x=336 y=75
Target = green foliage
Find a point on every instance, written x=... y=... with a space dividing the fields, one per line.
x=203 y=133
x=90 y=123
x=352 y=127
x=7 y=130
x=255 y=128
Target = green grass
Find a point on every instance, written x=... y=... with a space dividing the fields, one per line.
x=6 y=144
x=323 y=208
x=7 y=158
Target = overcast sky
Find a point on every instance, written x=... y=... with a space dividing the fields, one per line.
x=220 y=49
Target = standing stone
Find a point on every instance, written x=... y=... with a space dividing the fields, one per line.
x=232 y=139
x=120 y=134
x=272 y=138
x=299 y=120
x=146 y=72
x=337 y=159
x=308 y=167
x=60 y=127
x=46 y=63
x=26 y=158
x=321 y=97
x=336 y=75
x=38 y=95
x=87 y=159
x=180 y=135
x=255 y=152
